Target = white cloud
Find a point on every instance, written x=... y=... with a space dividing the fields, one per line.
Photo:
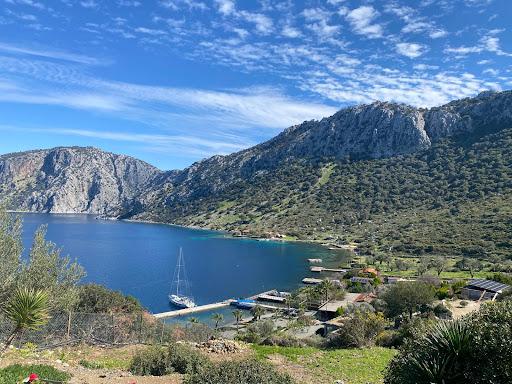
x=361 y=21
x=49 y=54
x=291 y=32
x=411 y=50
x=89 y=4
x=226 y=7
x=263 y=24
x=489 y=43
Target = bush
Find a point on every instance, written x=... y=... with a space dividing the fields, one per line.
x=359 y=330
x=473 y=350
x=158 y=361
x=283 y=340
x=152 y=361
x=246 y=371
x=442 y=311
x=463 y=303
x=95 y=298
x=16 y=373
x=387 y=339
x=444 y=292
x=184 y=359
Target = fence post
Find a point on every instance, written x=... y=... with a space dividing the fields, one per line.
x=113 y=330
x=69 y=325
x=140 y=328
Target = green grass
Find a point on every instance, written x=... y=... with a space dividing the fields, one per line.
x=354 y=366
x=16 y=373
x=326 y=174
x=106 y=363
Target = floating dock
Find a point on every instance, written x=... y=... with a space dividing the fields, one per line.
x=189 y=311
x=277 y=299
x=311 y=280
x=323 y=269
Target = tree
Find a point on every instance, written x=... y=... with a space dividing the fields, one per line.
x=257 y=311
x=439 y=264
x=423 y=266
x=27 y=309
x=47 y=269
x=473 y=266
x=407 y=297
x=193 y=320
x=359 y=330
x=217 y=317
x=237 y=314
x=11 y=248
x=324 y=287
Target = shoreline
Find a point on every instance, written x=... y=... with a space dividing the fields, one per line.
x=225 y=233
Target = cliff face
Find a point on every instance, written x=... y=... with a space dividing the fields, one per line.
x=72 y=180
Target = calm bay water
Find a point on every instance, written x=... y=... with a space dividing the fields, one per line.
x=139 y=258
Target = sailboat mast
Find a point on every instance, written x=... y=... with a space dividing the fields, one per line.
x=180 y=256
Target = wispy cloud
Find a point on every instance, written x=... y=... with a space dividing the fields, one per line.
x=184 y=145
x=49 y=54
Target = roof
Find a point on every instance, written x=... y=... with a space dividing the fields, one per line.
x=488 y=285
x=362 y=280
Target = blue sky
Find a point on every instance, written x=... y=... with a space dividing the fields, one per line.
x=174 y=81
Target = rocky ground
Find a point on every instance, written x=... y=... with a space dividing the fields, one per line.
x=92 y=365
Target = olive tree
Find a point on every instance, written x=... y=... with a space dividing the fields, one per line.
x=407 y=297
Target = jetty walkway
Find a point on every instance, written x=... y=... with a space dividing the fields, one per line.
x=264 y=296
x=188 y=311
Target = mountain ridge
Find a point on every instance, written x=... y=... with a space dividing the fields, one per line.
x=284 y=185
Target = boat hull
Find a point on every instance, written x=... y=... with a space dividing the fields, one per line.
x=181 y=301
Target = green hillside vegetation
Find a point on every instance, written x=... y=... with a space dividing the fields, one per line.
x=454 y=199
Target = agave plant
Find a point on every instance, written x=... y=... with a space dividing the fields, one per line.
x=27 y=309
x=449 y=343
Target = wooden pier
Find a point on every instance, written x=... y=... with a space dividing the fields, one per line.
x=323 y=269
x=189 y=311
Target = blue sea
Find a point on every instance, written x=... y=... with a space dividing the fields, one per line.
x=139 y=258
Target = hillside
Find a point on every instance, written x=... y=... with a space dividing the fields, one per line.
x=389 y=177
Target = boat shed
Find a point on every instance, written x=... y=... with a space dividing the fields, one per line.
x=479 y=289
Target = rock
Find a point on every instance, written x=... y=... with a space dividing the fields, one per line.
x=220 y=346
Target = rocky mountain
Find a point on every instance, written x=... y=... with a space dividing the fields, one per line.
x=385 y=175
x=377 y=130
x=73 y=180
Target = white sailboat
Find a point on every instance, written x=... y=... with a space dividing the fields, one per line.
x=180 y=297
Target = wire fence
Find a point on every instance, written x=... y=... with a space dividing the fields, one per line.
x=105 y=329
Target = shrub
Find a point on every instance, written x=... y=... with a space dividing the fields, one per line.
x=152 y=361
x=387 y=338
x=463 y=303
x=95 y=298
x=246 y=371
x=444 y=292
x=184 y=359
x=473 y=350
x=158 y=361
x=283 y=340
x=16 y=373
x=359 y=330
x=442 y=311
